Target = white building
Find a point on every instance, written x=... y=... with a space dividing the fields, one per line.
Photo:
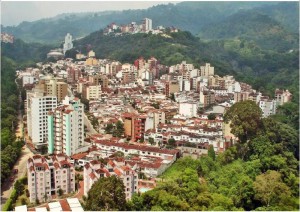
x=29 y=79
x=147 y=24
x=66 y=127
x=268 y=107
x=188 y=109
x=47 y=175
x=68 y=43
x=38 y=106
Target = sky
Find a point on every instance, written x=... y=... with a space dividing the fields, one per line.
x=14 y=12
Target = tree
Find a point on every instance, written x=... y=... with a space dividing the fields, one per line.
x=106 y=194
x=245 y=119
x=172 y=97
x=60 y=192
x=269 y=188
x=172 y=142
x=211 y=152
x=211 y=116
x=119 y=130
x=151 y=141
x=109 y=127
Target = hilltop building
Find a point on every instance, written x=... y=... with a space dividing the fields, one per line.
x=68 y=43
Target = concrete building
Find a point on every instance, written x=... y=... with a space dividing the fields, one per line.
x=91 y=92
x=68 y=43
x=95 y=170
x=147 y=24
x=282 y=96
x=28 y=79
x=188 y=109
x=38 y=105
x=268 y=107
x=73 y=74
x=66 y=127
x=172 y=87
x=207 y=70
x=47 y=175
x=207 y=98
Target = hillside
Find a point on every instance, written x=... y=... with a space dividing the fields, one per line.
x=244 y=59
x=190 y=16
x=252 y=25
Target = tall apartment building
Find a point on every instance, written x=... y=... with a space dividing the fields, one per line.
x=37 y=107
x=53 y=86
x=66 y=127
x=46 y=175
x=134 y=126
x=95 y=170
x=207 y=98
x=99 y=80
x=172 y=87
x=207 y=70
x=68 y=43
x=282 y=96
x=147 y=24
x=73 y=74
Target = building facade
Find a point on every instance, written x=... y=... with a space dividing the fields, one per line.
x=66 y=127
x=47 y=175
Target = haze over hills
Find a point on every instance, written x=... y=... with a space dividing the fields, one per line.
x=190 y=16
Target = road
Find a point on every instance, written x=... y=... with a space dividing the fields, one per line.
x=21 y=164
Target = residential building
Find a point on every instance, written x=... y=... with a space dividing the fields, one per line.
x=38 y=105
x=94 y=170
x=91 y=92
x=147 y=24
x=207 y=70
x=73 y=74
x=207 y=97
x=282 y=96
x=188 y=109
x=66 y=127
x=172 y=87
x=47 y=175
x=268 y=107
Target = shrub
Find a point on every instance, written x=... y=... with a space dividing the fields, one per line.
x=7 y=206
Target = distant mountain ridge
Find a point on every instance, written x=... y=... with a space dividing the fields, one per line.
x=190 y=16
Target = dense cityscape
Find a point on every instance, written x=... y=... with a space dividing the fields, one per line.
x=101 y=134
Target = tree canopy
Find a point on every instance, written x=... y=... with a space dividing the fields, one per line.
x=106 y=194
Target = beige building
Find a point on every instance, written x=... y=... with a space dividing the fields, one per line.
x=172 y=87
x=53 y=86
x=95 y=170
x=47 y=175
x=207 y=70
x=282 y=96
x=91 y=92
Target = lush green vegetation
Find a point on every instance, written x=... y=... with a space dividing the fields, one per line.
x=26 y=53
x=191 y=16
x=106 y=194
x=260 y=173
x=10 y=145
x=252 y=25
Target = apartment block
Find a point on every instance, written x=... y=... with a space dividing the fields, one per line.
x=172 y=87
x=282 y=96
x=46 y=175
x=207 y=70
x=207 y=97
x=37 y=107
x=91 y=92
x=66 y=127
x=94 y=170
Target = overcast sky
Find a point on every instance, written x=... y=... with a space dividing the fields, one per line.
x=13 y=12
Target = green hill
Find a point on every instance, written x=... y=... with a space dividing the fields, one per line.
x=190 y=16
x=252 y=25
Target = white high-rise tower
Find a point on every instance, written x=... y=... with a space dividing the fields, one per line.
x=68 y=43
